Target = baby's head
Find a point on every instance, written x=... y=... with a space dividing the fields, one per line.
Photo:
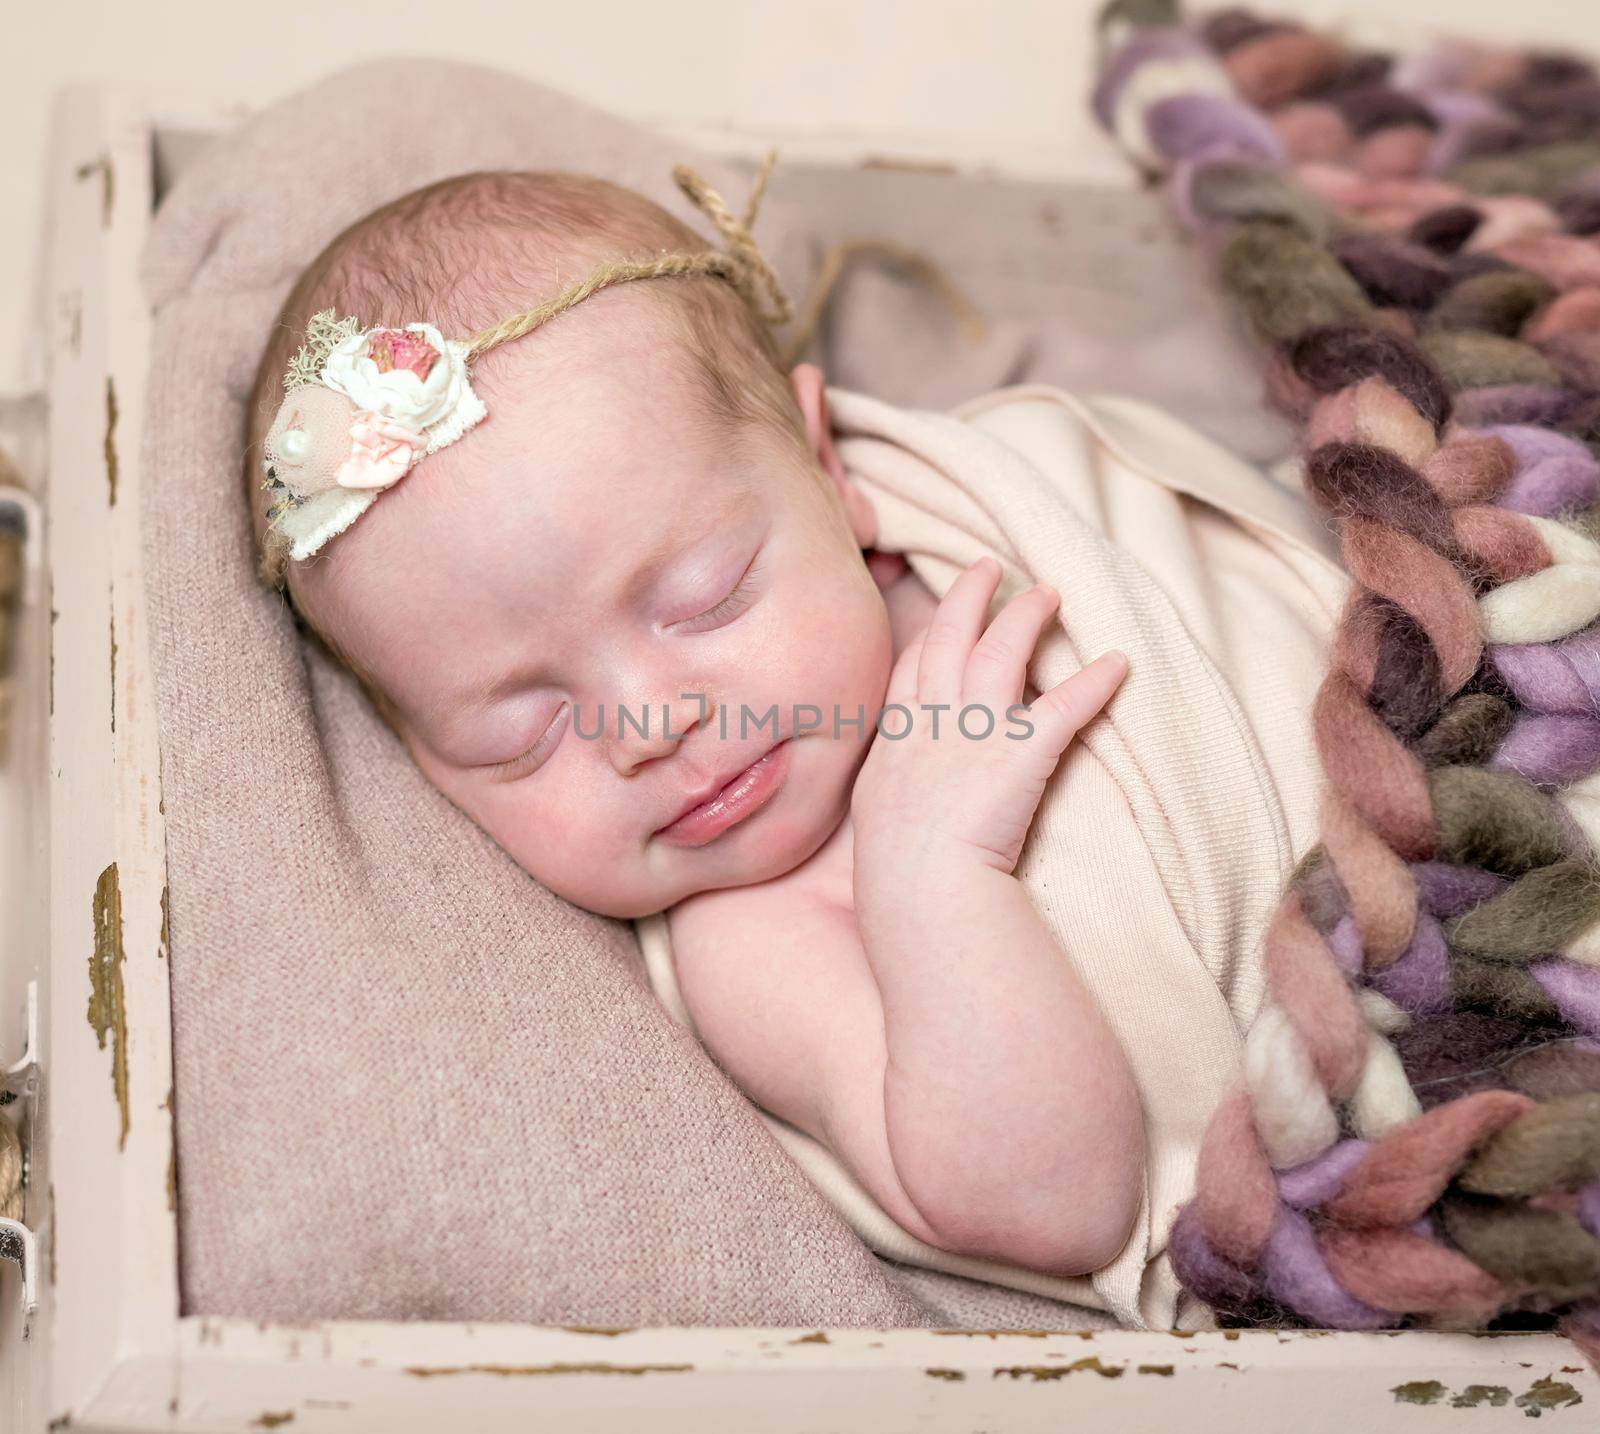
x=650 y=523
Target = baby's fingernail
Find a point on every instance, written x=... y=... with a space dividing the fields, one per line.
x=1113 y=656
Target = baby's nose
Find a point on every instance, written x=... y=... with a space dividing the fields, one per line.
x=643 y=733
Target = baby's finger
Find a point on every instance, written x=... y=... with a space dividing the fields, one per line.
x=997 y=671
x=955 y=627
x=903 y=675
x=1058 y=713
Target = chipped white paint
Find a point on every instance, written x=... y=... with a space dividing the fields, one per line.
x=108 y=1347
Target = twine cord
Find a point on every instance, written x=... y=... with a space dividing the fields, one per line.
x=838 y=259
x=742 y=264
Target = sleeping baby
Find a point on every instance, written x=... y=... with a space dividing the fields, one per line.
x=950 y=764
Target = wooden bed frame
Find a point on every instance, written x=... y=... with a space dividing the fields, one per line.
x=105 y=1348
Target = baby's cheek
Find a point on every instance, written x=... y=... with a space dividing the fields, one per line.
x=853 y=651
x=562 y=832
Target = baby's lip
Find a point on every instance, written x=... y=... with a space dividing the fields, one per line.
x=707 y=791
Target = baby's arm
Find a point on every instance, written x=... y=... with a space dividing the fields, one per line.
x=1004 y=1126
x=1010 y=1111
x=1004 y=1085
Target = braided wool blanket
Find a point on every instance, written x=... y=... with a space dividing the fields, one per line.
x=1417 y=1139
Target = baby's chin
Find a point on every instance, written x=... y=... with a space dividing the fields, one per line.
x=772 y=842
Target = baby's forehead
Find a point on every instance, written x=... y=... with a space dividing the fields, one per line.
x=557 y=491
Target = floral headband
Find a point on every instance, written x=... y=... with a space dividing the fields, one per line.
x=362 y=406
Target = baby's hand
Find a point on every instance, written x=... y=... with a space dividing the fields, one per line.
x=937 y=795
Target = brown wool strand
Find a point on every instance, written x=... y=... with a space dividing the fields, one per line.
x=1358 y=639
x=1503 y=546
x=1322 y=894
x=1350 y=478
x=1271 y=69
x=1473 y=360
x=1541 y=172
x=1553 y=1147
x=1381 y=779
x=1406 y=689
x=1392 y=271
x=1523 y=1246
x=1426 y=584
x=1467 y=732
x=1554 y=1069
x=1378 y=885
x=1496 y=820
x=1446 y=230
x=1502 y=989
x=1467 y=470
x=1374 y=105
x=1240 y=190
x=1579 y=210
x=1537 y=915
x=1286 y=284
x=1496 y=303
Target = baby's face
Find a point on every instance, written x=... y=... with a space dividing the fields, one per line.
x=593 y=569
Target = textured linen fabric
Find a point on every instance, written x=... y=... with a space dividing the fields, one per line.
x=1165 y=836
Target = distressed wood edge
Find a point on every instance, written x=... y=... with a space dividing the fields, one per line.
x=106 y=1145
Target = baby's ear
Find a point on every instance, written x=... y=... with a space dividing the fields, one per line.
x=810 y=391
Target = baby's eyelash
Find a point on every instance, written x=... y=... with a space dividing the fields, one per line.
x=524 y=762
x=732 y=605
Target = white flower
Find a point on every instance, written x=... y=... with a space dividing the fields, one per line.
x=410 y=375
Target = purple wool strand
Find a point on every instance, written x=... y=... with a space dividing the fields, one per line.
x=1516 y=403
x=1554 y=472
x=1534 y=445
x=1318 y=1180
x=1448 y=890
x=1187 y=127
x=1345 y=943
x=1419 y=981
x=1463 y=117
x=1550 y=749
x=1575 y=989
x=1297 y=1276
x=1553 y=485
x=1553 y=677
x=1589 y=1208
x=1215 y=1279
x=1145 y=46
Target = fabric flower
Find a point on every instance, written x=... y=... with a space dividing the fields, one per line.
x=410 y=374
x=381 y=452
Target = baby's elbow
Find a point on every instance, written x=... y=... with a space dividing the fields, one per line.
x=1069 y=1228
x=1105 y=1231
x=1089 y=1239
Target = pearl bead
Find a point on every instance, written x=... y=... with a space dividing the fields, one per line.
x=294 y=445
